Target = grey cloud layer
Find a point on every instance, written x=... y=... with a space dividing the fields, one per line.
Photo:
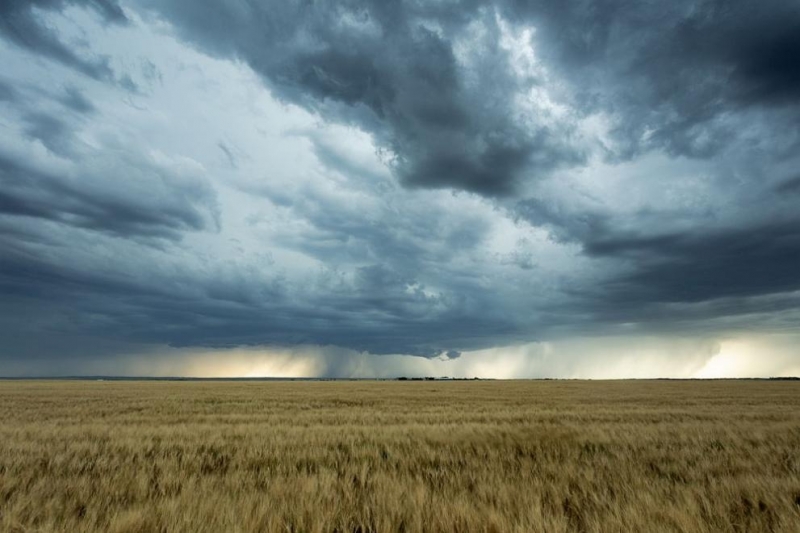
x=397 y=70
x=699 y=79
x=676 y=70
x=20 y=24
x=434 y=84
x=544 y=169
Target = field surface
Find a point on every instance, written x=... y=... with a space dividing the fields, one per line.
x=646 y=456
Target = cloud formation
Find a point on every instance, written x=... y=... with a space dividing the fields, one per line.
x=21 y=24
x=440 y=87
x=437 y=180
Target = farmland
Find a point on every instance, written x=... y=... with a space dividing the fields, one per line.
x=359 y=456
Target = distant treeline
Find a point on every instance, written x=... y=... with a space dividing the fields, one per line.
x=443 y=378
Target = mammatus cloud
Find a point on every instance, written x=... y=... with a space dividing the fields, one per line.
x=446 y=181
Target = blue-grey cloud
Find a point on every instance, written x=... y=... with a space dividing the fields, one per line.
x=448 y=121
x=20 y=23
x=674 y=73
x=28 y=192
x=447 y=178
x=74 y=99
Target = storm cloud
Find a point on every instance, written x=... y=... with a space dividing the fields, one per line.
x=443 y=180
x=21 y=24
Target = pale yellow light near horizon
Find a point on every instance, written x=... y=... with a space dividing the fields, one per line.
x=754 y=356
x=730 y=362
x=585 y=358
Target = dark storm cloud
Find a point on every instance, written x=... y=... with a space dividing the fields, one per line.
x=21 y=24
x=218 y=310
x=7 y=92
x=93 y=201
x=112 y=190
x=690 y=78
x=704 y=263
x=674 y=72
x=74 y=99
x=393 y=70
x=686 y=267
x=96 y=240
x=790 y=186
x=670 y=73
x=565 y=224
x=52 y=132
x=383 y=308
x=451 y=354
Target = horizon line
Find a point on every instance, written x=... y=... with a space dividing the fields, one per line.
x=397 y=378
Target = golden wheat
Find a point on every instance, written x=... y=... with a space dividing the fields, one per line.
x=652 y=456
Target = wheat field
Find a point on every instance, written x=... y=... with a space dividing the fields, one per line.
x=649 y=456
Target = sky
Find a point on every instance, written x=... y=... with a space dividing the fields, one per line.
x=502 y=189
